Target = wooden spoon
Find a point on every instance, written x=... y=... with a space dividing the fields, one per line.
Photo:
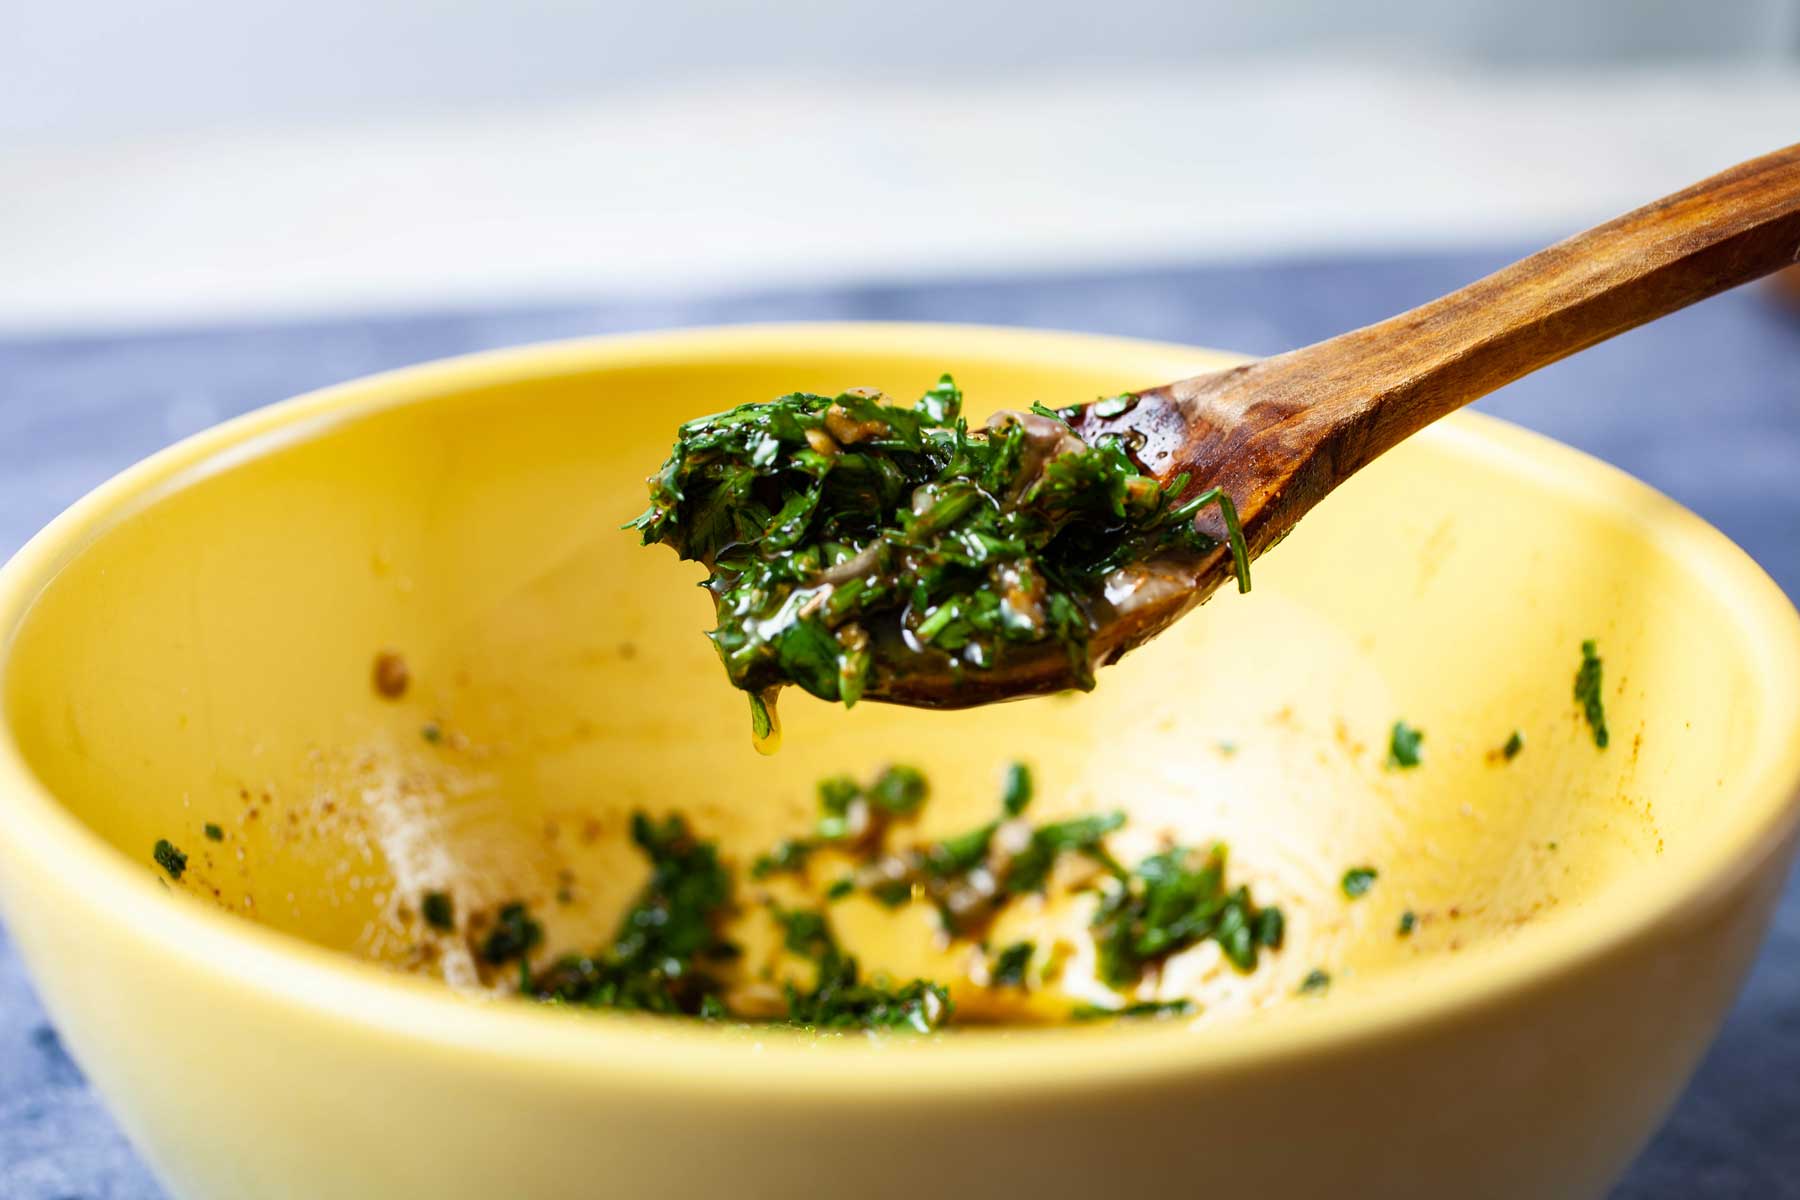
x=1278 y=434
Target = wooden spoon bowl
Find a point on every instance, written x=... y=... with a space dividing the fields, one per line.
x=1280 y=433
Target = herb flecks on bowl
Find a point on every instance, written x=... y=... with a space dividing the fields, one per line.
x=1588 y=679
x=670 y=953
x=1405 y=747
x=1175 y=900
x=1509 y=749
x=1142 y=916
x=670 y=956
x=1358 y=881
x=847 y=537
x=169 y=857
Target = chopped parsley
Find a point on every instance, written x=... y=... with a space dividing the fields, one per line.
x=968 y=876
x=670 y=955
x=169 y=858
x=971 y=876
x=1317 y=981
x=1170 y=902
x=1030 y=869
x=214 y=833
x=438 y=910
x=849 y=811
x=1404 y=746
x=1409 y=921
x=1587 y=692
x=841 y=999
x=805 y=933
x=1514 y=744
x=1174 y=900
x=1015 y=797
x=1009 y=966
x=668 y=952
x=789 y=857
x=959 y=854
x=849 y=815
x=514 y=935
x=1357 y=881
x=668 y=941
x=844 y=534
x=1143 y=1008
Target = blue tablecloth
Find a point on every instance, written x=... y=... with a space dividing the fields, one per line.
x=1704 y=405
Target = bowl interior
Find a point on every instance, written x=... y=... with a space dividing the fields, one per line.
x=205 y=657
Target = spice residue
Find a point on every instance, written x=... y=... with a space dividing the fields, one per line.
x=391 y=675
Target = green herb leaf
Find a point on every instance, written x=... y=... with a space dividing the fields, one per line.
x=899 y=791
x=438 y=910
x=1015 y=797
x=1404 y=746
x=962 y=853
x=1171 y=901
x=169 y=858
x=667 y=944
x=514 y=935
x=1271 y=928
x=674 y=919
x=1009 y=966
x=1030 y=870
x=841 y=999
x=1357 y=881
x=1143 y=1008
x=968 y=880
x=787 y=858
x=837 y=796
x=806 y=934
x=1587 y=692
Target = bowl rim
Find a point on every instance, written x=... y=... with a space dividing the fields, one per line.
x=309 y=983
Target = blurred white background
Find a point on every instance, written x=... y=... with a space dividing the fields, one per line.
x=197 y=160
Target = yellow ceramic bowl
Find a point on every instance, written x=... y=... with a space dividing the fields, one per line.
x=192 y=643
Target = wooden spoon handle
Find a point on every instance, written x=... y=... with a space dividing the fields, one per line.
x=1359 y=394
